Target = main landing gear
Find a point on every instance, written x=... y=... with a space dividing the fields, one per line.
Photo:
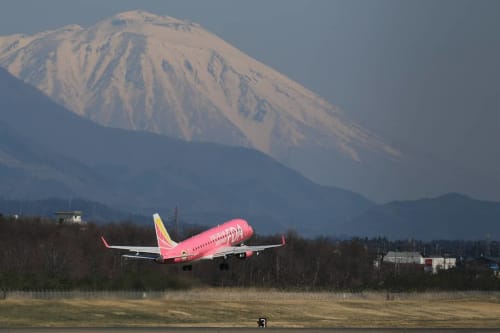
x=187 y=268
x=224 y=266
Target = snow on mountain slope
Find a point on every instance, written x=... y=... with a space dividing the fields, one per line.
x=142 y=71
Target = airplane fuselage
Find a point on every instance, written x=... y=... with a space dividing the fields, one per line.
x=203 y=245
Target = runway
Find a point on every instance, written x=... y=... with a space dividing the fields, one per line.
x=244 y=330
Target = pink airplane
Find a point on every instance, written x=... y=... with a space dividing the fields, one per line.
x=219 y=242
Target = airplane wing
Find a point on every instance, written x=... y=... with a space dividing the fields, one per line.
x=235 y=250
x=140 y=256
x=142 y=252
x=136 y=249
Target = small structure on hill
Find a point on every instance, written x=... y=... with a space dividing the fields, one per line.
x=69 y=216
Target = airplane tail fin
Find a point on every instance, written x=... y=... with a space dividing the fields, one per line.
x=164 y=240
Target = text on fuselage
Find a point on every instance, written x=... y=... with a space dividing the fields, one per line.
x=228 y=235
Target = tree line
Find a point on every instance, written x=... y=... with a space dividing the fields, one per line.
x=40 y=253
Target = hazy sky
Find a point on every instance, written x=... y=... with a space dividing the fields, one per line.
x=424 y=73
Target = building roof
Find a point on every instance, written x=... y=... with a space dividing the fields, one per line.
x=69 y=212
x=404 y=254
x=403 y=257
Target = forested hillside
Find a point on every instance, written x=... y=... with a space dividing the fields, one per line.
x=42 y=254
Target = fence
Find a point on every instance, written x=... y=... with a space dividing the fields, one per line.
x=225 y=294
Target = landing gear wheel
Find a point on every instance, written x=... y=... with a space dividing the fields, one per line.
x=224 y=266
x=187 y=268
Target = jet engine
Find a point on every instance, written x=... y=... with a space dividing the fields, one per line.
x=245 y=255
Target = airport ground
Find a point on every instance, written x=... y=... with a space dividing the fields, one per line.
x=244 y=330
x=235 y=308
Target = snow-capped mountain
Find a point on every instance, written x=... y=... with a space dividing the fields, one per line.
x=142 y=71
x=49 y=152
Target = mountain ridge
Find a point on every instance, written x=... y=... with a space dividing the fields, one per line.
x=153 y=73
x=144 y=171
x=448 y=216
x=142 y=71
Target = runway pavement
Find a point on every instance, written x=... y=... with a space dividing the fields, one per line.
x=244 y=330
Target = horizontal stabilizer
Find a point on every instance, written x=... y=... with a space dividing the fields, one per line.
x=143 y=250
x=140 y=256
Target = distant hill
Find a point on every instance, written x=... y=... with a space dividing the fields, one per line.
x=143 y=173
x=29 y=170
x=451 y=216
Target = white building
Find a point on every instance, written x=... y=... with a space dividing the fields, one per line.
x=431 y=263
x=436 y=263
x=72 y=216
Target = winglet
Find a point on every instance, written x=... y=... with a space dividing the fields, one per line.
x=104 y=241
x=283 y=242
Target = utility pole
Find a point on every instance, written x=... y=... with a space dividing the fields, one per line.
x=176 y=224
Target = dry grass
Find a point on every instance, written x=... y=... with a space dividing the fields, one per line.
x=241 y=308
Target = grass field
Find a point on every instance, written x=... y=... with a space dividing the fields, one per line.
x=241 y=308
